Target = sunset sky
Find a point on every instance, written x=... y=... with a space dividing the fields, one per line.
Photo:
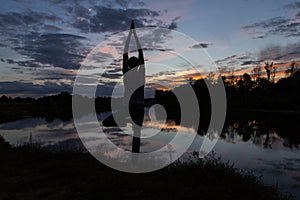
x=43 y=43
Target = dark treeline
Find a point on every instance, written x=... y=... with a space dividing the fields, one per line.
x=257 y=92
x=48 y=107
x=247 y=92
x=52 y=106
x=244 y=93
x=249 y=97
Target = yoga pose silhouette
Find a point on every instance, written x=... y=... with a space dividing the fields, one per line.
x=134 y=95
x=134 y=81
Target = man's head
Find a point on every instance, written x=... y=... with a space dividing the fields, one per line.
x=133 y=62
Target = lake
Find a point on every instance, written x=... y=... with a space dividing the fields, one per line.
x=250 y=144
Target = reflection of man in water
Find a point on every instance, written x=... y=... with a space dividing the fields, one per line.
x=134 y=95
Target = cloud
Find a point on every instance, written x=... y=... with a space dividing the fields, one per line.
x=101 y=89
x=280 y=53
x=49 y=74
x=282 y=56
x=173 y=24
x=52 y=38
x=16 y=25
x=106 y=19
x=54 y=49
x=34 y=35
x=51 y=28
x=292 y=6
x=284 y=26
x=90 y=16
x=39 y=34
x=287 y=27
x=201 y=45
x=27 y=18
x=112 y=75
x=108 y=3
x=249 y=62
x=114 y=70
x=239 y=62
x=30 y=89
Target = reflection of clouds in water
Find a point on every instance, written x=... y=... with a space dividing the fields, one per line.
x=18 y=132
x=278 y=164
x=22 y=124
x=169 y=126
x=120 y=140
x=37 y=124
x=57 y=124
x=124 y=141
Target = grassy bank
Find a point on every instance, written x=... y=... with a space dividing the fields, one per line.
x=30 y=173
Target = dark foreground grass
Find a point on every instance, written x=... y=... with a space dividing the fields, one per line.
x=30 y=173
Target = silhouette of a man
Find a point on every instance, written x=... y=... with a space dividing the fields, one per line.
x=133 y=76
x=134 y=81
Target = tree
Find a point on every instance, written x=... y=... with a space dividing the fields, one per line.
x=211 y=77
x=273 y=72
x=290 y=71
x=245 y=83
x=263 y=84
x=256 y=73
x=232 y=77
x=268 y=67
x=247 y=79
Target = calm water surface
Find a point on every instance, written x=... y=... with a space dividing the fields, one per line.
x=263 y=152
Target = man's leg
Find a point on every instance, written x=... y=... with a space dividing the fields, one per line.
x=137 y=115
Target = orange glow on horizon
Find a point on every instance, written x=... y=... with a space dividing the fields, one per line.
x=163 y=89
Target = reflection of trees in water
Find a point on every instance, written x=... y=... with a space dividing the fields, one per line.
x=257 y=133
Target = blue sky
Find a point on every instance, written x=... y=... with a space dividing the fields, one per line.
x=43 y=43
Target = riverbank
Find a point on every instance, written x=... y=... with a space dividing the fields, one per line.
x=31 y=173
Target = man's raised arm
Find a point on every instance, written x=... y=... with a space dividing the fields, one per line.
x=125 y=53
x=140 y=50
